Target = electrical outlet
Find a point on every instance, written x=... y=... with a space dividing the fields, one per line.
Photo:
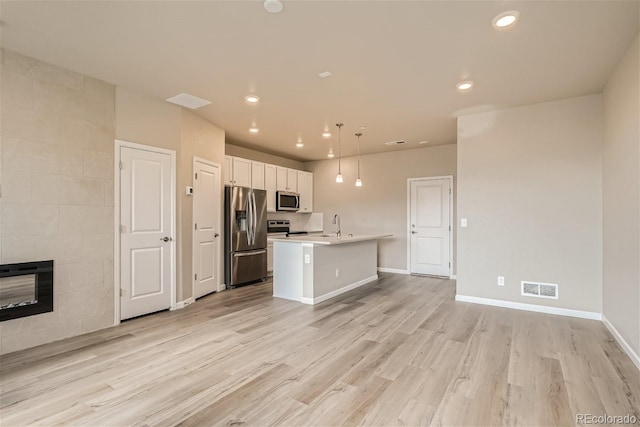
x=500 y=280
x=337 y=272
x=307 y=259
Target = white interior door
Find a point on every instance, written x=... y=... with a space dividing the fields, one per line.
x=206 y=230
x=430 y=226
x=146 y=232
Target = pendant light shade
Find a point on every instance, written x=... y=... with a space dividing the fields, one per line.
x=358 y=181
x=339 y=176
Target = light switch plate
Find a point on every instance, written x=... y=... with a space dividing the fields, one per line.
x=307 y=259
x=463 y=222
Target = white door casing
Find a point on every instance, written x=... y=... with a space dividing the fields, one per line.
x=206 y=227
x=430 y=224
x=145 y=245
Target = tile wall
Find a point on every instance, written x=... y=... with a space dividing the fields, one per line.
x=56 y=200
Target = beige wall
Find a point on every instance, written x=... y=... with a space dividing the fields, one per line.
x=621 y=192
x=201 y=139
x=258 y=156
x=57 y=194
x=530 y=185
x=380 y=205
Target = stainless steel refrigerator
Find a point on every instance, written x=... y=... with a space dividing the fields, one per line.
x=245 y=237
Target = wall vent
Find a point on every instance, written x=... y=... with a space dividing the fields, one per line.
x=540 y=290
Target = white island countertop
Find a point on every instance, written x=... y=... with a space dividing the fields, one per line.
x=332 y=239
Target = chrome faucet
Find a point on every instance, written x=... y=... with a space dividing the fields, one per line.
x=336 y=221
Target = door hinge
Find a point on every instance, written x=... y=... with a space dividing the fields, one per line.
x=120 y=165
x=196 y=276
x=449 y=191
x=196 y=175
x=121 y=228
x=449 y=228
x=196 y=226
x=120 y=291
x=449 y=265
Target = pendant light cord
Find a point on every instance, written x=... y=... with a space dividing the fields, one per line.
x=339 y=148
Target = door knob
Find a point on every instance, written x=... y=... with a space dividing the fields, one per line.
x=216 y=235
x=166 y=239
x=414 y=232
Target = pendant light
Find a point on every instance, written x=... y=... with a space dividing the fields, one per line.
x=339 y=176
x=359 y=181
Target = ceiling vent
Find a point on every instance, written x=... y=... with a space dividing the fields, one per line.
x=540 y=290
x=395 y=142
x=189 y=101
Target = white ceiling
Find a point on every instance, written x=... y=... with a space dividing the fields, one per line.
x=394 y=63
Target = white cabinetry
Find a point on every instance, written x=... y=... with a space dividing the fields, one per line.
x=257 y=175
x=270 y=184
x=292 y=180
x=248 y=173
x=227 y=170
x=287 y=179
x=237 y=171
x=281 y=179
x=305 y=188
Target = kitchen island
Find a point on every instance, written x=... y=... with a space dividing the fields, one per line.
x=311 y=269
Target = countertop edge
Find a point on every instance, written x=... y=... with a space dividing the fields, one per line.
x=330 y=240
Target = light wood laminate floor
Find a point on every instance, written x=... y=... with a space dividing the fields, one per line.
x=399 y=351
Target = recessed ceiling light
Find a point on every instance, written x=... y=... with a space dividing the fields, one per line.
x=326 y=134
x=400 y=142
x=189 y=101
x=252 y=99
x=299 y=144
x=464 y=86
x=254 y=129
x=363 y=127
x=423 y=142
x=324 y=74
x=330 y=155
x=506 y=19
x=273 y=6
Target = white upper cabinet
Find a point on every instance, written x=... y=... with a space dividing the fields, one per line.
x=241 y=172
x=262 y=176
x=271 y=186
x=281 y=179
x=237 y=171
x=287 y=179
x=257 y=175
x=292 y=180
x=227 y=170
x=305 y=188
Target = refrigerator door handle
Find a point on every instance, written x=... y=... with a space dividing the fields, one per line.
x=251 y=253
x=249 y=220
x=254 y=216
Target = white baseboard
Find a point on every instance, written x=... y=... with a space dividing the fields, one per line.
x=392 y=270
x=624 y=344
x=337 y=292
x=531 y=307
x=183 y=304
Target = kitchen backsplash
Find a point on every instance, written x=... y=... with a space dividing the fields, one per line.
x=300 y=222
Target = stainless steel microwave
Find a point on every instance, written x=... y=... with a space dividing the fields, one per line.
x=287 y=201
